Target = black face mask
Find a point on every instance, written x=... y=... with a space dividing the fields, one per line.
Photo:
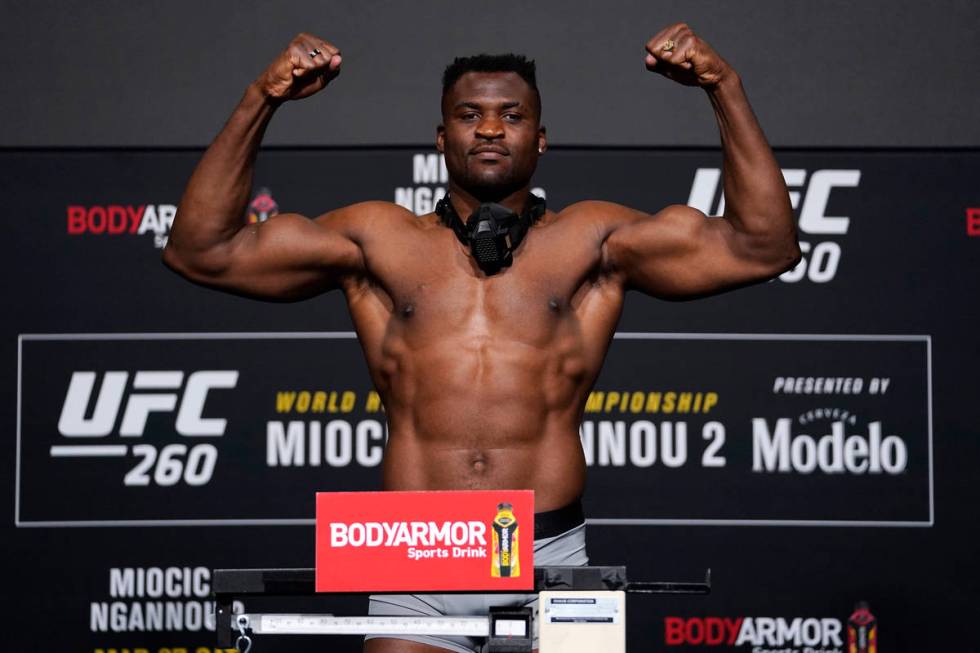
x=492 y=232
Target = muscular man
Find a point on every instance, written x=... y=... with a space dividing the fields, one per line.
x=484 y=368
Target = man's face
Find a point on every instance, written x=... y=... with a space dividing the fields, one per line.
x=491 y=133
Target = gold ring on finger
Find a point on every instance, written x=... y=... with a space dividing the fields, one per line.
x=668 y=45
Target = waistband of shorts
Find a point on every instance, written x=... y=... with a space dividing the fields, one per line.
x=555 y=522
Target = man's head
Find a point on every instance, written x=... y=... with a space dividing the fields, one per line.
x=491 y=131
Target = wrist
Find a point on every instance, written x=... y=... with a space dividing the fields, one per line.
x=728 y=82
x=258 y=93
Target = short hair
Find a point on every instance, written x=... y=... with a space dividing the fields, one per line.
x=492 y=63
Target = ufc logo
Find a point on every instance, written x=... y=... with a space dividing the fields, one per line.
x=139 y=405
x=813 y=211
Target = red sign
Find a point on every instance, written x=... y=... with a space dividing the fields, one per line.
x=973 y=222
x=425 y=541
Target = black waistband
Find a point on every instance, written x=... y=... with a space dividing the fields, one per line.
x=555 y=522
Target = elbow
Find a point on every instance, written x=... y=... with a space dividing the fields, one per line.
x=170 y=257
x=784 y=259
x=784 y=248
x=791 y=257
x=776 y=255
x=202 y=267
x=177 y=261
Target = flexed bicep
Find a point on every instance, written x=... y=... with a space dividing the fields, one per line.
x=287 y=258
x=680 y=253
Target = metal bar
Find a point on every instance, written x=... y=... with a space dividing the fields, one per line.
x=644 y=587
x=314 y=624
x=222 y=621
x=300 y=582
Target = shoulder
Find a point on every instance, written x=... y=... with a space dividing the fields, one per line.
x=605 y=214
x=599 y=217
x=362 y=218
x=675 y=228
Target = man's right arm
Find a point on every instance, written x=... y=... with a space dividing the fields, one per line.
x=288 y=257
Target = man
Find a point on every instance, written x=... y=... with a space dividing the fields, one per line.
x=484 y=354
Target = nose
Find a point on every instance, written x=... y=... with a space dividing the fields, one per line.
x=490 y=127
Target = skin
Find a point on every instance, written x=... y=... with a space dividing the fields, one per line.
x=473 y=400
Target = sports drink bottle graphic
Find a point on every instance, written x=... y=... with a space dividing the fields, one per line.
x=862 y=630
x=504 y=562
x=262 y=207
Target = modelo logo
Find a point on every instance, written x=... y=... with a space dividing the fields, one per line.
x=778 y=450
x=152 y=392
x=821 y=259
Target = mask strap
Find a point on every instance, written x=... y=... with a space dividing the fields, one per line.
x=447 y=214
x=533 y=210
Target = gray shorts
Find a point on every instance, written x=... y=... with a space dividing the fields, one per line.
x=566 y=549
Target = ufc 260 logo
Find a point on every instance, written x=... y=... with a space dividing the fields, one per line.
x=150 y=392
x=820 y=259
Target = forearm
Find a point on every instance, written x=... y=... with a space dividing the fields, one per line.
x=211 y=209
x=756 y=199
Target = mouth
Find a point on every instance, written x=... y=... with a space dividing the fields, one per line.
x=489 y=152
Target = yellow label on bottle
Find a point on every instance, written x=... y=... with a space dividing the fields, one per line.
x=504 y=561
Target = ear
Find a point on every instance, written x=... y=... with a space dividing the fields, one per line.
x=542 y=139
x=441 y=138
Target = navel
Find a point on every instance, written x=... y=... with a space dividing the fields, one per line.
x=478 y=463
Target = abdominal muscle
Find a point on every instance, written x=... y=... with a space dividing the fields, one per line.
x=472 y=413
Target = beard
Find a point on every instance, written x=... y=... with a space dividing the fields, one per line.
x=490 y=182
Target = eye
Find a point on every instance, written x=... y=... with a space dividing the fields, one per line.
x=512 y=117
x=469 y=115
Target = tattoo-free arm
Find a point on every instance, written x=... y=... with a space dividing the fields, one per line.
x=680 y=252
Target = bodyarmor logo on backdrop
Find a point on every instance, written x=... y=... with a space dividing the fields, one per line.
x=429 y=179
x=762 y=634
x=150 y=392
x=153 y=220
x=122 y=220
x=973 y=222
x=820 y=259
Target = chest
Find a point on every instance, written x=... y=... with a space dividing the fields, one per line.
x=432 y=284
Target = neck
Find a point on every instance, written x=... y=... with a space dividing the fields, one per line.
x=465 y=202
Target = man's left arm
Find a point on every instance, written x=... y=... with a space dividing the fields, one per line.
x=679 y=252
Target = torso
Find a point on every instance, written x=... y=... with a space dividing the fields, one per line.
x=484 y=378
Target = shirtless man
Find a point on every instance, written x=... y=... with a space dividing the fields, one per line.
x=484 y=372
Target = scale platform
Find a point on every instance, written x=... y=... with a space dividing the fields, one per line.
x=593 y=596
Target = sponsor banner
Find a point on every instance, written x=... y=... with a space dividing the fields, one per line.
x=757 y=634
x=857 y=634
x=424 y=541
x=725 y=428
x=837 y=197
x=222 y=430
x=761 y=429
x=161 y=429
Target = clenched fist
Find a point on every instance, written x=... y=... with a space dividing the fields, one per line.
x=304 y=68
x=679 y=54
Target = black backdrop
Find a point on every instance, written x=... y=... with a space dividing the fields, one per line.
x=711 y=434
